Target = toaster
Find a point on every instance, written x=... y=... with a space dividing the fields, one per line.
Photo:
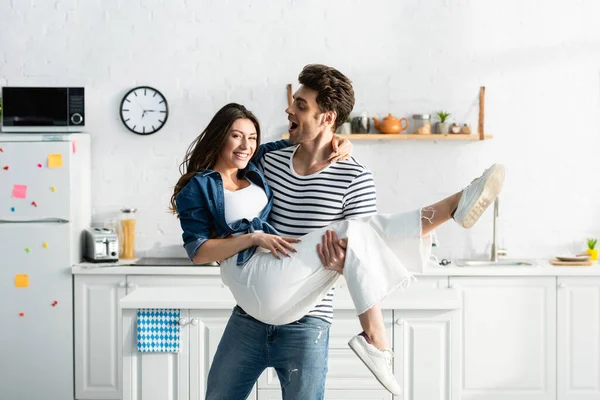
x=101 y=244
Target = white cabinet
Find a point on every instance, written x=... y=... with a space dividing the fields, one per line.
x=426 y=360
x=508 y=345
x=205 y=331
x=578 y=338
x=98 y=336
x=158 y=376
x=173 y=376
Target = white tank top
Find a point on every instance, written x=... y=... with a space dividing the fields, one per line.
x=244 y=203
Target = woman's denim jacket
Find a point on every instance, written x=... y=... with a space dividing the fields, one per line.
x=201 y=207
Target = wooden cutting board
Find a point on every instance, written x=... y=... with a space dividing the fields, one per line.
x=587 y=263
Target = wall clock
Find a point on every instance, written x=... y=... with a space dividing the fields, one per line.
x=144 y=110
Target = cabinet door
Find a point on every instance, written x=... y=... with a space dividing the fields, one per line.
x=578 y=338
x=155 y=376
x=206 y=330
x=98 y=336
x=508 y=344
x=426 y=354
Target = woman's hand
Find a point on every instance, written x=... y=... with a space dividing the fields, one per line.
x=342 y=149
x=332 y=251
x=275 y=244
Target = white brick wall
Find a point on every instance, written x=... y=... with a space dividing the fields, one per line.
x=539 y=61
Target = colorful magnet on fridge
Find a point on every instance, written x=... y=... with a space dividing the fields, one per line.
x=53 y=188
x=55 y=160
x=74 y=146
x=5 y=168
x=12 y=209
x=54 y=303
x=19 y=191
x=1 y=151
x=27 y=250
x=45 y=245
x=39 y=165
x=21 y=280
x=33 y=203
x=21 y=314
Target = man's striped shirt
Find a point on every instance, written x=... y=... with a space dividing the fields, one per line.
x=301 y=204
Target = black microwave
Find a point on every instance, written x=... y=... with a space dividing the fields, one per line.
x=43 y=109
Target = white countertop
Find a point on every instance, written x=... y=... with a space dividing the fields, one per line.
x=544 y=269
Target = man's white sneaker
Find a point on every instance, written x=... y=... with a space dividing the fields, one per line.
x=476 y=197
x=379 y=362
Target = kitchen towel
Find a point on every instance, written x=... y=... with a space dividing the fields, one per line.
x=158 y=330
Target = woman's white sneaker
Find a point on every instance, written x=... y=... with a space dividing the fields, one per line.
x=476 y=197
x=378 y=361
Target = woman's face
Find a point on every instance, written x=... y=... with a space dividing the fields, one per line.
x=240 y=145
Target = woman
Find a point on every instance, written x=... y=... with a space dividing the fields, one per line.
x=223 y=203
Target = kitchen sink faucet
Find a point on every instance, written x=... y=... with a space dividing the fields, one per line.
x=495 y=250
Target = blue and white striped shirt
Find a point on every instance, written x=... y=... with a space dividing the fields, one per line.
x=302 y=204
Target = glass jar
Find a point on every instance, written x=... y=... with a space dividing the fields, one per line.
x=421 y=124
x=127 y=233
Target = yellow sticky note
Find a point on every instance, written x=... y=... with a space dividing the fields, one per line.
x=21 y=280
x=55 y=161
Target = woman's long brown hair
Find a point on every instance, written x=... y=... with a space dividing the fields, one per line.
x=204 y=151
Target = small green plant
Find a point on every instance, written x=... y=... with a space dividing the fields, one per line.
x=443 y=116
x=592 y=243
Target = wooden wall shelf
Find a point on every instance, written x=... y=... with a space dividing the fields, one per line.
x=480 y=135
x=405 y=136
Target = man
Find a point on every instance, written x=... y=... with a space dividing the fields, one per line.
x=309 y=193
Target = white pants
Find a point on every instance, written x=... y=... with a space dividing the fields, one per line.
x=382 y=253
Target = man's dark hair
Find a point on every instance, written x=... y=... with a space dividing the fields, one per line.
x=335 y=92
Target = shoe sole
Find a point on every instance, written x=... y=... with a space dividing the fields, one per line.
x=365 y=359
x=491 y=189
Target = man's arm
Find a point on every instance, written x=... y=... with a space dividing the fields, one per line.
x=270 y=146
x=360 y=201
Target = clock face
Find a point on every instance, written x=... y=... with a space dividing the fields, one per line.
x=144 y=110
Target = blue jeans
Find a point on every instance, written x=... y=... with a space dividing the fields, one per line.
x=298 y=352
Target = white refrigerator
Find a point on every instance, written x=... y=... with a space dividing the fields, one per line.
x=45 y=195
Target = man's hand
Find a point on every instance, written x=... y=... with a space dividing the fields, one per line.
x=332 y=251
x=275 y=244
x=342 y=149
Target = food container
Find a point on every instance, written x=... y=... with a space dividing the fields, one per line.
x=421 y=124
x=127 y=233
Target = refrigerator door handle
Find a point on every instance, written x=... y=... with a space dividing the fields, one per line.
x=35 y=221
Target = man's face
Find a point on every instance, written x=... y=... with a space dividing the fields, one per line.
x=306 y=122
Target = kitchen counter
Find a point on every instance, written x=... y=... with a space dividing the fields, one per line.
x=146 y=266
x=543 y=268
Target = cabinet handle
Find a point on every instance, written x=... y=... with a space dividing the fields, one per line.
x=183 y=321
x=562 y=285
x=121 y=284
x=399 y=322
x=194 y=321
x=130 y=285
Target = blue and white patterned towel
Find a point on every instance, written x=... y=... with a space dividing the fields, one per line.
x=158 y=330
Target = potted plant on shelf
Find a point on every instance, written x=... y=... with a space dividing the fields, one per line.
x=592 y=250
x=442 y=126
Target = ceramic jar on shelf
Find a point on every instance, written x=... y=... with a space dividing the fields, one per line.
x=421 y=124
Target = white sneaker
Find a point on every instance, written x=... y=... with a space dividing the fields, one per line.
x=479 y=195
x=378 y=361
